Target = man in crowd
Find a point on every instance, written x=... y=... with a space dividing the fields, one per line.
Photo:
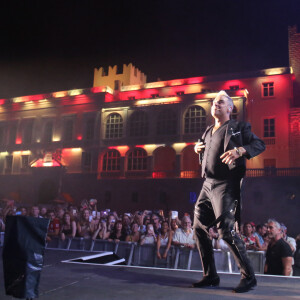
x=291 y=241
x=35 y=211
x=223 y=150
x=261 y=230
x=279 y=253
x=184 y=236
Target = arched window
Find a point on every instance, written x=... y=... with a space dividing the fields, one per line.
x=138 y=124
x=167 y=122
x=114 y=126
x=234 y=113
x=195 y=120
x=137 y=160
x=111 y=161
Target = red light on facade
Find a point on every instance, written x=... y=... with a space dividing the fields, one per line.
x=193 y=80
x=2 y=101
x=36 y=97
x=79 y=137
x=108 y=98
x=81 y=99
x=18 y=141
x=98 y=89
x=159 y=175
x=232 y=85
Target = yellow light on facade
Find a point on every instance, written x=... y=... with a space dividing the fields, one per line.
x=17 y=99
x=152 y=85
x=27 y=152
x=193 y=89
x=115 y=108
x=75 y=92
x=28 y=103
x=76 y=149
x=56 y=139
x=151 y=147
x=4 y=153
x=158 y=101
x=43 y=101
x=109 y=90
x=178 y=147
x=60 y=94
x=274 y=71
x=130 y=87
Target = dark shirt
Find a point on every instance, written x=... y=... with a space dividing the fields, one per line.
x=113 y=236
x=214 y=168
x=274 y=256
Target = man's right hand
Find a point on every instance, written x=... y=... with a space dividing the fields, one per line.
x=199 y=147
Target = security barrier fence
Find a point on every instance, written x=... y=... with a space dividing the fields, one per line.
x=145 y=255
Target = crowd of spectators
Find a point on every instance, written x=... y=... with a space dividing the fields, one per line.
x=155 y=228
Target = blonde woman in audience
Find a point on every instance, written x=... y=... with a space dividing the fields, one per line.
x=86 y=226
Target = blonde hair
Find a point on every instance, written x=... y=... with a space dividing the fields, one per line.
x=222 y=93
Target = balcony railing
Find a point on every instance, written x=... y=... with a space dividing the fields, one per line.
x=273 y=172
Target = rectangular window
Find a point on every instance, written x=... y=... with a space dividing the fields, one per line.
x=12 y=134
x=25 y=161
x=48 y=132
x=90 y=129
x=2 y=135
x=8 y=163
x=86 y=160
x=268 y=89
x=68 y=130
x=269 y=128
x=27 y=133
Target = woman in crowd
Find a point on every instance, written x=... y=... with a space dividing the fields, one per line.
x=117 y=234
x=134 y=237
x=173 y=225
x=101 y=231
x=68 y=227
x=149 y=238
x=164 y=239
x=251 y=241
x=111 y=221
x=86 y=226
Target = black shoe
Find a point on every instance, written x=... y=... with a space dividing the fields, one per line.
x=245 y=285
x=207 y=281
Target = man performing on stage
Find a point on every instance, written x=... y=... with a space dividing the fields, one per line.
x=223 y=149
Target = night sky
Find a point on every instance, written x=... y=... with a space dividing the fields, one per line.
x=53 y=48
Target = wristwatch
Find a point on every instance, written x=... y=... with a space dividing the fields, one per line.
x=238 y=151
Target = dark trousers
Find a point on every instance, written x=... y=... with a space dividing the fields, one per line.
x=217 y=198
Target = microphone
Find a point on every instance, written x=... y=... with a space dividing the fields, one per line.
x=201 y=153
x=199 y=141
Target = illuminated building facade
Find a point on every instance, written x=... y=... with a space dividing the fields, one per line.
x=139 y=133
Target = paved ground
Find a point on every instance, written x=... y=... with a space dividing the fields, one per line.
x=76 y=281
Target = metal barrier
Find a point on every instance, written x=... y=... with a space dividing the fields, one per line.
x=145 y=255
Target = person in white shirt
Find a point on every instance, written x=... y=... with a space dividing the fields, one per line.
x=184 y=236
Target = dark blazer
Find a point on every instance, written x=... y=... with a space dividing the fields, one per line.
x=238 y=134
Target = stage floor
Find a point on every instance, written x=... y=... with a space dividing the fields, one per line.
x=78 y=281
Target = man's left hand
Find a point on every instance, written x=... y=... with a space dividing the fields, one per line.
x=229 y=157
